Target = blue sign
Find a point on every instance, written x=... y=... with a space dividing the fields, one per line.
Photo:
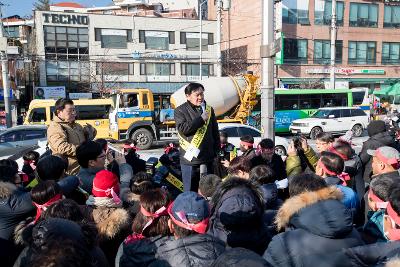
x=2 y=94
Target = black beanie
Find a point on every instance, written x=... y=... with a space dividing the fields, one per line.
x=375 y=127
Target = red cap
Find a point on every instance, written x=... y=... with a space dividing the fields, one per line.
x=103 y=182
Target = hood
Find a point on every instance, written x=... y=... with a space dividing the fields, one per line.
x=376 y=127
x=110 y=221
x=319 y=212
x=383 y=138
x=307 y=120
x=270 y=193
x=7 y=189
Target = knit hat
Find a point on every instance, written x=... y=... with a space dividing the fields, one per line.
x=190 y=211
x=375 y=127
x=105 y=184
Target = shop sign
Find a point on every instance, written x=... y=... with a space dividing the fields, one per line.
x=69 y=19
x=347 y=71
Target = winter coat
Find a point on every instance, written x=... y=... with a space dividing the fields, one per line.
x=240 y=257
x=272 y=204
x=374 y=142
x=372 y=231
x=350 y=199
x=249 y=154
x=64 y=138
x=196 y=250
x=225 y=152
x=112 y=222
x=276 y=164
x=237 y=219
x=15 y=206
x=293 y=163
x=317 y=226
x=86 y=176
x=188 y=120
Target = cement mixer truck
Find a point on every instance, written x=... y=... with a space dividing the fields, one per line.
x=135 y=116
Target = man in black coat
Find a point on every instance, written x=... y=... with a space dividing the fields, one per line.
x=198 y=136
x=378 y=136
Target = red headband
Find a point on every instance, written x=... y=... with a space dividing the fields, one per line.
x=163 y=211
x=344 y=177
x=380 y=204
x=246 y=143
x=43 y=207
x=169 y=148
x=333 y=150
x=130 y=146
x=394 y=162
x=200 y=227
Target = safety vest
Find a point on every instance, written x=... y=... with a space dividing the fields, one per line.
x=192 y=148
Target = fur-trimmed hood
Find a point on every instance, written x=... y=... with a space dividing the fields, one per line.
x=6 y=189
x=319 y=212
x=110 y=221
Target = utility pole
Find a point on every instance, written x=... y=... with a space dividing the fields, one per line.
x=201 y=37
x=4 y=71
x=267 y=74
x=218 y=39
x=333 y=45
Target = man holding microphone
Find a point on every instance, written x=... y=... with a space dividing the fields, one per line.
x=198 y=136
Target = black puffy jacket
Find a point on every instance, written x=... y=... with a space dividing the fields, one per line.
x=272 y=204
x=318 y=227
x=192 y=251
x=188 y=120
x=374 y=142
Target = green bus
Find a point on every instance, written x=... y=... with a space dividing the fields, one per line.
x=292 y=104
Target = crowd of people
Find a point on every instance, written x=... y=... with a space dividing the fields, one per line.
x=84 y=204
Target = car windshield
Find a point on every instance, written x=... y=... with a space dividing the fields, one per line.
x=321 y=114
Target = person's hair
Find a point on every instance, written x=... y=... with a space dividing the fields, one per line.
x=182 y=232
x=332 y=162
x=381 y=187
x=65 y=209
x=267 y=143
x=8 y=170
x=247 y=138
x=88 y=150
x=325 y=137
x=31 y=155
x=61 y=252
x=262 y=174
x=305 y=182
x=394 y=198
x=152 y=201
x=61 y=103
x=344 y=149
x=44 y=191
x=208 y=184
x=51 y=167
x=102 y=142
x=141 y=182
x=223 y=134
x=193 y=87
x=240 y=163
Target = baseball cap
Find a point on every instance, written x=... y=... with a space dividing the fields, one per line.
x=190 y=211
x=386 y=154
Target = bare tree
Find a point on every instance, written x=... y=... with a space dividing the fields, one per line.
x=42 y=5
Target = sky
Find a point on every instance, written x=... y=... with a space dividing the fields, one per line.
x=24 y=7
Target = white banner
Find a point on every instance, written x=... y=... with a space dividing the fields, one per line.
x=113 y=32
x=47 y=92
x=156 y=34
x=80 y=95
x=196 y=35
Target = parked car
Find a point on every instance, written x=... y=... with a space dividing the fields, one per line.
x=332 y=120
x=236 y=130
x=19 y=138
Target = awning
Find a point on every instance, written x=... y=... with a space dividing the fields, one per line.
x=382 y=91
x=390 y=90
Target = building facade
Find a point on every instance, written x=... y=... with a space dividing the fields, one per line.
x=367 y=43
x=98 y=52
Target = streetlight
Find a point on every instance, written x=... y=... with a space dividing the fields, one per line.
x=201 y=37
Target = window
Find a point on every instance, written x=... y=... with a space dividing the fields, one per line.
x=323 y=12
x=157 y=69
x=362 y=52
x=322 y=51
x=358 y=98
x=248 y=131
x=295 y=50
x=193 y=69
x=191 y=39
x=11 y=31
x=286 y=102
x=14 y=136
x=34 y=134
x=346 y=113
x=92 y=112
x=157 y=39
x=334 y=100
x=391 y=17
x=114 y=68
x=357 y=112
x=231 y=132
x=363 y=15
x=113 y=38
x=295 y=12
x=63 y=43
x=310 y=101
x=67 y=71
x=38 y=115
x=390 y=53
x=335 y=113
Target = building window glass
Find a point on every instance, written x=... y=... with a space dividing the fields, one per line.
x=74 y=71
x=323 y=12
x=114 y=68
x=63 y=43
x=11 y=31
x=193 y=69
x=295 y=12
x=391 y=17
x=322 y=51
x=295 y=51
x=391 y=53
x=157 y=69
x=192 y=40
x=157 y=40
x=362 y=52
x=113 y=38
x=363 y=15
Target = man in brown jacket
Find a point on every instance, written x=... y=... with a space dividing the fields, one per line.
x=64 y=135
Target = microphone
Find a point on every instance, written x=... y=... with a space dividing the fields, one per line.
x=203 y=106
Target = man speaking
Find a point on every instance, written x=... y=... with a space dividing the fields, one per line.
x=198 y=136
